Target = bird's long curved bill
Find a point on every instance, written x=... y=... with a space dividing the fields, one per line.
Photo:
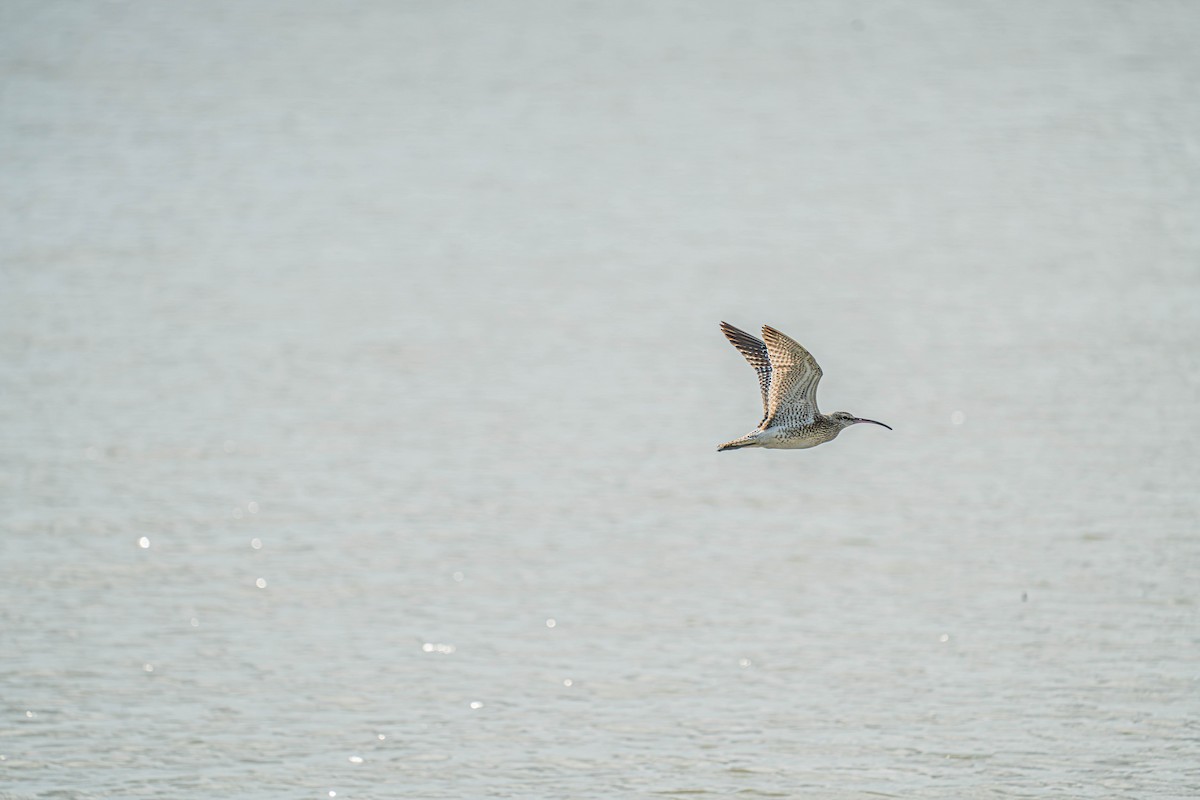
x=873 y=422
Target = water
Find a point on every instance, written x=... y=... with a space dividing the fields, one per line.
x=361 y=384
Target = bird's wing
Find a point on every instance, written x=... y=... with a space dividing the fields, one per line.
x=756 y=353
x=794 y=377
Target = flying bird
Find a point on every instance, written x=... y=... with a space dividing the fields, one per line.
x=787 y=377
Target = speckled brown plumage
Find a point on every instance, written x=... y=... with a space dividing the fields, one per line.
x=787 y=377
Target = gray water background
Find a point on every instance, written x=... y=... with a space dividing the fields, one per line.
x=407 y=312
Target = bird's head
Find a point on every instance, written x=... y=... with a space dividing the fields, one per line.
x=845 y=419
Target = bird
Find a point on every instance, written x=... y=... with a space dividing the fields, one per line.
x=787 y=377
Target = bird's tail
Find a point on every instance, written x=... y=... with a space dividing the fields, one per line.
x=742 y=441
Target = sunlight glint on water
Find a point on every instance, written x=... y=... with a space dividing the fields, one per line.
x=420 y=302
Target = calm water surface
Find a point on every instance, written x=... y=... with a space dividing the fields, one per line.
x=360 y=386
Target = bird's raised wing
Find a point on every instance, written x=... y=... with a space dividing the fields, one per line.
x=756 y=353
x=792 y=395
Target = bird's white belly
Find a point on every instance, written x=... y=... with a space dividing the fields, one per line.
x=783 y=439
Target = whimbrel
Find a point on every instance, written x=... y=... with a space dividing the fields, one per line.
x=787 y=376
